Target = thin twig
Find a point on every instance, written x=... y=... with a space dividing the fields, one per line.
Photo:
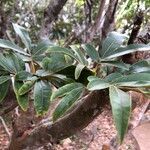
x=5 y=127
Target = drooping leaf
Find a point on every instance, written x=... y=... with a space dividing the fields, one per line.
x=98 y=84
x=121 y=108
x=4 y=79
x=78 y=70
x=91 y=51
x=126 y=50
x=113 y=41
x=23 y=100
x=11 y=46
x=4 y=89
x=23 y=34
x=67 y=102
x=65 y=89
x=42 y=93
x=80 y=55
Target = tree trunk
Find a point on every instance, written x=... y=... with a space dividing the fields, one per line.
x=50 y=15
x=86 y=110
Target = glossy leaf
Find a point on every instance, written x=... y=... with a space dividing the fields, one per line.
x=65 y=89
x=141 y=66
x=97 y=85
x=23 y=100
x=126 y=50
x=121 y=108
x=91 y=51
x=67 y=102
x=80 y=55
x=42 y=93
x=78 y=70
x=4 y=89
x=113 y=41
x=23 y=34
x=11 y=46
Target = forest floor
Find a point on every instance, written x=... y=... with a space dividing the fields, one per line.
x=95 y=136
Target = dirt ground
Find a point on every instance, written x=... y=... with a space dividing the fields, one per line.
x=93 y=137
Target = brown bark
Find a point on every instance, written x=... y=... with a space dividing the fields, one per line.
x=50 y=15
x=130 y=58
x=88 y=108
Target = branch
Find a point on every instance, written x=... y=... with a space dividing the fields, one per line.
x=87 y=109
x=5 y=127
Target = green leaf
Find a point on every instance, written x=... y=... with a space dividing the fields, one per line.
x=23 y=34
x=23 y=75
x=78 y=70
x=58 y=49
x=91 y=51
x=11 y=46
x=4 y=89
x=116 y=64
x=113 y=76
x=42 y=93
x=98 y=84
x=11 y=63
x=133 y=80
x=23 y=100
x=126 y=50
x=65 y=89
x=67 y=102
x=80 y=55
x=141 y=66
x=113 y=41
x=41 y=48
x=4 y=79
x=27 y=86
x=91 y=78
x=121 y=108
x=55 y=62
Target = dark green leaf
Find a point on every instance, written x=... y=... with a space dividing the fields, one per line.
x=80 y=55
x=78 y=70
x=126 y=50
x=42 y=93
x=23 y=100
x=4 y=79
x=23 y=75
x=27 y=86
x=121 y=108
x=11 y=46
x=117 y=64
x=91 y=51
x=113 y=41
x=98 y=84
x=67 y=102
x=141 y=66
x=23 y=34
x=4 y=89
x=65 y=89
